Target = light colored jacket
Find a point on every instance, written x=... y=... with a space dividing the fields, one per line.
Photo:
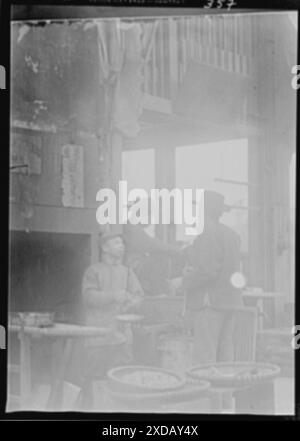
x=99 y=284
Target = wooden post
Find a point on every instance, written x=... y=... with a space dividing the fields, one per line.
x=255 y=261
x=165 y=178
x=173 y=56
x=116 y=169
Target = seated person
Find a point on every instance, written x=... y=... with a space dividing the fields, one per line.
x=109 y=288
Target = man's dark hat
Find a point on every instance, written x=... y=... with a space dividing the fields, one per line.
x=214 y=203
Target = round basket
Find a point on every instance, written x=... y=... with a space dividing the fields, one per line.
x=143 y=379
x=234 y=374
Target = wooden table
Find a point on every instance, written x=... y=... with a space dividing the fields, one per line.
x=259 y=297
x=67 y=335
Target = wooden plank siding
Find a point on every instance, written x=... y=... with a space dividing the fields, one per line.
x=224 y=42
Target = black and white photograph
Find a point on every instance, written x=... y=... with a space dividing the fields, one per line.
x=152 y=194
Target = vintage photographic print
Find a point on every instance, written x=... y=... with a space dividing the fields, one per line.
x=152 y=213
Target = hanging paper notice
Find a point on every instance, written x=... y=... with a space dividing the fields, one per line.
x=72 y=176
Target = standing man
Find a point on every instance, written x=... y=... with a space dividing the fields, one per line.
x=209 y=284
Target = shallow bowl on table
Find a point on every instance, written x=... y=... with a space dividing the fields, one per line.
x=37 y=319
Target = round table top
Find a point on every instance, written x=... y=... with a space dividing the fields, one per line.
x=62 y=330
